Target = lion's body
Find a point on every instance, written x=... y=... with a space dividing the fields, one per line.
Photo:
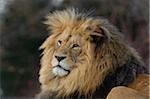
x=138 y=89
x=96 y=58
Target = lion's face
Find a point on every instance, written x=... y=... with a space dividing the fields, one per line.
x=69 y=52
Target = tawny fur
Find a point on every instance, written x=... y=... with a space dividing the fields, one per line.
x=98 y=59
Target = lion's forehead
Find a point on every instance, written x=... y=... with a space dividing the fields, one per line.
x=71 y=38
x=64 y=34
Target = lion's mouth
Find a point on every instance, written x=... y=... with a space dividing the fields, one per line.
x=62 y=68
x=58 y=70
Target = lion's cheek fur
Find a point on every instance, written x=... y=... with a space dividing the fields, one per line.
x=46 y=68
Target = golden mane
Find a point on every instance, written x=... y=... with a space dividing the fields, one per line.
x=90 y=75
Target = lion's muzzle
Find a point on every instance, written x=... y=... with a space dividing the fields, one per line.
x=60 y=66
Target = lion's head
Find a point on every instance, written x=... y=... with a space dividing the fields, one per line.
x=80 y=52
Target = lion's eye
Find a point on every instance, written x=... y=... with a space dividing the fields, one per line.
x=75 y=46
x=59 y=42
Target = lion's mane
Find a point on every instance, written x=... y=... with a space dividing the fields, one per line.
x=113 y=58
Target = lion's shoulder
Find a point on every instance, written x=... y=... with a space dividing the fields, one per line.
x=138 y=89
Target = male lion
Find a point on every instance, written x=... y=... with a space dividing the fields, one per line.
x=85 y=57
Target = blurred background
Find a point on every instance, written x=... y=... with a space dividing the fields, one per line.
x=22 y=32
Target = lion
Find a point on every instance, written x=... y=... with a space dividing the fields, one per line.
x=85 y=57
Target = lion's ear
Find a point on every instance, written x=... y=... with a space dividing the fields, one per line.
x=99 y=35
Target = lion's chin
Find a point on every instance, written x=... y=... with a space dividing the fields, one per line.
x=60 y=71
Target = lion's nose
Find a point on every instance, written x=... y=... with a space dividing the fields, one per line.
x=60 y=58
